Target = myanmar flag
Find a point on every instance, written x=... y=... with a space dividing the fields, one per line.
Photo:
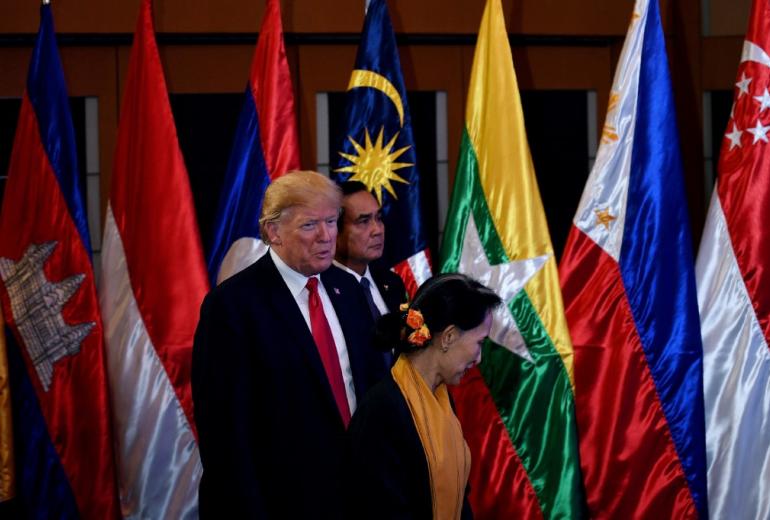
x=517 y=406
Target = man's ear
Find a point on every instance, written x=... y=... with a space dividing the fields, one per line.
x=273 y=234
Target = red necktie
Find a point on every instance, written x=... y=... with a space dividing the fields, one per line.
x=322 y=334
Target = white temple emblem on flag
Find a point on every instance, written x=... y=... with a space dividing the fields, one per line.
x=37 y=304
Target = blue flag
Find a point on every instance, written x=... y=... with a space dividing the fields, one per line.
x=378 y=147
x=266 y=146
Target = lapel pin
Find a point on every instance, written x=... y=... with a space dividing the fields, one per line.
x=336 y=291
x=385 y=286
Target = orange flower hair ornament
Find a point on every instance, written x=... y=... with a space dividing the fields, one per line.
x=415 y=321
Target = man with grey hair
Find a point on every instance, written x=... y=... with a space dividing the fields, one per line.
x=281 y=358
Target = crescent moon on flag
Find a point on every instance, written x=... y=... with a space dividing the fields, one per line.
x=367 y=78
x=753 y=52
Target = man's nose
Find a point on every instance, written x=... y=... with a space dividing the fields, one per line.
x=324 y=233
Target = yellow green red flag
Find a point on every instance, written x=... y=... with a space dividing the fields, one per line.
x=517 y=409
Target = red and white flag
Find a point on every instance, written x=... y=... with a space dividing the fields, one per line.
x=734 y=294
x=153 y=281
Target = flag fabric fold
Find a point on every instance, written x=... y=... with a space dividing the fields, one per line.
x=7 y=466
x=734 y=294
x=629 y=292
x=152 y=282
x=378 y=146
x=516 y=407
x=63 y=447
x=265 y=147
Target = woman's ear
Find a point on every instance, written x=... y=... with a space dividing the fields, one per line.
x=448 y=336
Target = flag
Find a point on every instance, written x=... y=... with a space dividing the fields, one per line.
x=734 y=294
x=152 y=284
x=265 y=147
x=378 y=147
x=516 y=407
x=629 y=291
x=7 y=471
x=56 y=361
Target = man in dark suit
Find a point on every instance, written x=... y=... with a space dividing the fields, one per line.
x=360 y=241
x=279 y=363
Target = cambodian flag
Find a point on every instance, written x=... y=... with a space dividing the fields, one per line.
x=378 y=147
x=629 y=294
x=265 y=147
x=63 y=441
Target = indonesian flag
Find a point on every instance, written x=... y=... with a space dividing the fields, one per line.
x=629 y=294
x=734 y=294
x=153 y=281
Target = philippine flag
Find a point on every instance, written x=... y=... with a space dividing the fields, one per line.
x=629 y=294
x=58 y=384
x=734 y=294
x=265 y=147
x=153 y=281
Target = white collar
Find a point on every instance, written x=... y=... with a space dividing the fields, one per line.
x=295 y=281
x=367 y=273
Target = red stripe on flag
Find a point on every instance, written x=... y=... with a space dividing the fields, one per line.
x=412 y=280
x=491 y=454
x=153 y=209
x=274 y=95
x=629 y=461
x=76 y=407
x=403 y=270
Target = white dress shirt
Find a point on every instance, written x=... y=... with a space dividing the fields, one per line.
x=297 y=282
x=379 y=301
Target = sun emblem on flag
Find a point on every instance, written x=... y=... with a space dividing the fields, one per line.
x=375 y=165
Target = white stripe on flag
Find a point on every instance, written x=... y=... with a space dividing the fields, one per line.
x=736 y=380
x=420 y=267
x=242 y=253
x=158 y=460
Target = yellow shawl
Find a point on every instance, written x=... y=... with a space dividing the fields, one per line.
x=447 y=454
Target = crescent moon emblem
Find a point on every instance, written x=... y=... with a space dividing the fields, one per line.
x=367 y=78
x=753 y=52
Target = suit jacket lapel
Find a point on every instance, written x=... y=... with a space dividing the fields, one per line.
x=296 y=326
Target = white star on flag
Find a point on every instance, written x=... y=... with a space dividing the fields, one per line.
x=759 y=132
x=507 y=280
x=764 y=101
x=743 y=85
x=734 y=137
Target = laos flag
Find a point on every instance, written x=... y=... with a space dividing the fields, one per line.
x=62 y=436
x=629 y=294
x=266 y=146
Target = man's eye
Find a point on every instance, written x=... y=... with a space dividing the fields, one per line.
x=308 y=226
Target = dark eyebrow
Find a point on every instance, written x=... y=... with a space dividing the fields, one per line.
x=364 y=215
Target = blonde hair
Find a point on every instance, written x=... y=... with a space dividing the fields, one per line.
x=296 y=188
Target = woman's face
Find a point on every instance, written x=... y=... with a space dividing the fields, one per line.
x=463 y=351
